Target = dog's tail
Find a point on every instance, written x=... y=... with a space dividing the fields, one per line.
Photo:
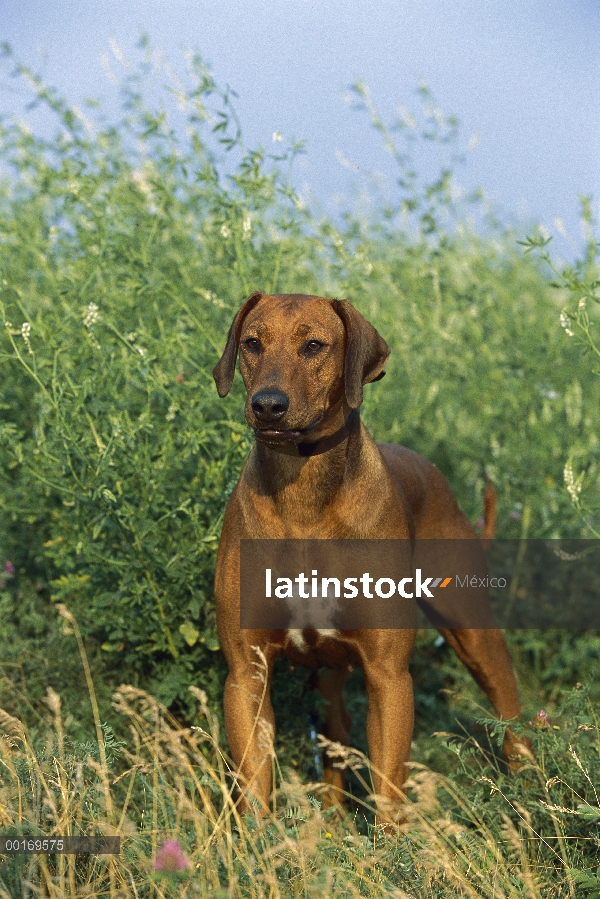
x=489 y=514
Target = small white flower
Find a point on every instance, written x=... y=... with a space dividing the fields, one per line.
x=91 y=316
x=573 y=485
x=25 y=332
x=140 y=180
x=276 y=136
x=225 y=231
x=565 y=321
x=173 y=410
x=581 y=303
x=141 y=350
x=131 y=337
x=246 y=224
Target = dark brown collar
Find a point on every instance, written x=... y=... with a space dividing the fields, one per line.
x=304 y=450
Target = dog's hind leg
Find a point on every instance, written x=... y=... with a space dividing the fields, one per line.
x=485 y=654
x=336 y=728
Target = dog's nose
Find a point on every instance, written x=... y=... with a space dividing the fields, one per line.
x=270 y=405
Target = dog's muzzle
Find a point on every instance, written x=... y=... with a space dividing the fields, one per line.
x=293 y=443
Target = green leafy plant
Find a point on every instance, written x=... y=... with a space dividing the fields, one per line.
x=579 y=287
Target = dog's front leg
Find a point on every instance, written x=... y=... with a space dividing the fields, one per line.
x=250 y=728
x=390 y=718
x=249 y=718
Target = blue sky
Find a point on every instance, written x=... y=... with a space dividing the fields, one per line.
x=522 y=75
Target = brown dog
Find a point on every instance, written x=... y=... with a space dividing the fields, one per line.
x=315 y=472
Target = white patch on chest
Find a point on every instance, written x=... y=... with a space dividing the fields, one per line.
x=314 y=612
x=296 y=636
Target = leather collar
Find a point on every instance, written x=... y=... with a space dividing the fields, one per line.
x=305 y=450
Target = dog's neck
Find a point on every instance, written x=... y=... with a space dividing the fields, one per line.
x=297 y=490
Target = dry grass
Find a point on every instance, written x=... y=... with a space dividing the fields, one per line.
x=173 y=783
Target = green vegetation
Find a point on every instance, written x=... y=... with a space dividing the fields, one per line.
x=125 y=251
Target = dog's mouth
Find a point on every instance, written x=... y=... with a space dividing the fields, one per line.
x=279 y=437
x=267 y=435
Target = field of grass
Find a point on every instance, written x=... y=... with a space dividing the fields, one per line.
x=125 y=250
x=167 y=791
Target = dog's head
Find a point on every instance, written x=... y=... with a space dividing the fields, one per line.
x=300 y=357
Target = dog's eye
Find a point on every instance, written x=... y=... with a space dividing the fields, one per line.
x=252 y=343
x=313 y=346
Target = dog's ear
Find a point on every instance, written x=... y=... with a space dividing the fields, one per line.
x=366 y=352
x=224 y=370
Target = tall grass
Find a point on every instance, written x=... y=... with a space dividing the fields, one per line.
x=530 y=835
